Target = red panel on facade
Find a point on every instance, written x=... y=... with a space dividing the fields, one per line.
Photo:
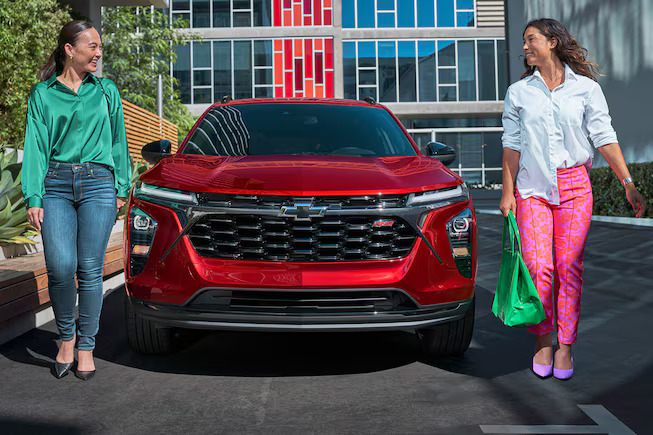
x=308 y=57
x=307 y=6
x=278 y=68
x=319 y=91
x=307 y=21
x=297 y=15
x=277 y=13
x=289 y=91
x=327 y=17
x=298 y=48
x=287 y=18
x=329 y=83
x=299 y=76
x=278 y=92
x=308 y=86
x=319 y=78
x=278 y=45
x=287 y=54
x=317 y=16
x=318 y=45
x=287 y=4
x=328 y=53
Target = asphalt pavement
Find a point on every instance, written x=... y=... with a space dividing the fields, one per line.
x=356 y=383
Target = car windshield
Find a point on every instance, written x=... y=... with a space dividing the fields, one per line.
x=310 y=129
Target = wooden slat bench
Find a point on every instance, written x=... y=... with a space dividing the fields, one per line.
x=24 y=280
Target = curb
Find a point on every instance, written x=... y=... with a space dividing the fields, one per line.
x=639 y=222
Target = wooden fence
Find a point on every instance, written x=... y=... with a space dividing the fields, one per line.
x=143 y=127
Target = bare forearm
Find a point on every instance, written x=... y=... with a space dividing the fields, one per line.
x=510 y=168
x=612 y=154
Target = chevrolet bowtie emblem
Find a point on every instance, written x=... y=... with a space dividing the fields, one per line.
x=302 y=211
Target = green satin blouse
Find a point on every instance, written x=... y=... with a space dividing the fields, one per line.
x=69 y=127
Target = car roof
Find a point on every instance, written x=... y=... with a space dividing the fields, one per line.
x=332 y=101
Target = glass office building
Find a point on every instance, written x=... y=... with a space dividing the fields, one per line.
x=439 y=65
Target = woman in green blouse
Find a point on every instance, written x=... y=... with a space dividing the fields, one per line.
x=76 y=176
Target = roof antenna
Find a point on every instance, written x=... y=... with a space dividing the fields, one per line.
x=369 y=100
x=226 y=99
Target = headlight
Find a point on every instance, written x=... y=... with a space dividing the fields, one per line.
x=439 y=198
x=149 y=191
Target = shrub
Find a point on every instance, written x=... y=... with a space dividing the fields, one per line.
x=609 y=194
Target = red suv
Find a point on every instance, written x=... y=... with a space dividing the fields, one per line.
x=300 y=215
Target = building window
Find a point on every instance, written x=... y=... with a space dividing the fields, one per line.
x=211 y=69
x=425 y=70
x=253 y=13
x=365 y=14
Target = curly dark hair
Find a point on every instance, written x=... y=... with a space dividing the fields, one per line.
x=567 y=49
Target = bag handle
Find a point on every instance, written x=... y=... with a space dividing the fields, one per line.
x=510 y=223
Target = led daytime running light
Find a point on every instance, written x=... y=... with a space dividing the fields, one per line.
x=156 y=192
x=435 y=196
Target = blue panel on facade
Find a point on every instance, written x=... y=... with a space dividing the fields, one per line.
x=386 y=19
x=201 y=54
x=445 y=13
x=365 y=13
x=425 y=13
x=466 y=70
x=502 y=77
x=201 y=13
x=348 y=14
x=367 y=54
x=405 y=13
x=407 y=71
x=181 y=71
x=446 y=53
x=486 y=68
x=242 y=69
x=221 y=13
x=221 y=69
x=387 y=71
x=349 y=69
x=426 y=56
x=465 y=4
x=465 y=19
x=386 y=5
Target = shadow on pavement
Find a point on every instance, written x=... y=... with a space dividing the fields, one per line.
x=496 y=350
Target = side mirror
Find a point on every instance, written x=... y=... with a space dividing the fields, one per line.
x=153 y=152
x=442 y=152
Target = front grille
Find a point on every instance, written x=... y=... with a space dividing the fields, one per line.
x=303 y=302
x=337 y=238
x=276 y=202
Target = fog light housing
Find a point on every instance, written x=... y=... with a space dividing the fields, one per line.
x=459 y=231
x=142 y=228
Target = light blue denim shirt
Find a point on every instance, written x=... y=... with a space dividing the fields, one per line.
x=554 y=129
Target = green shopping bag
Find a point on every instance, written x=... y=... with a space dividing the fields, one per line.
x=516 y=301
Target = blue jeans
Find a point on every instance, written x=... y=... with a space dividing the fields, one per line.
x=79 y=210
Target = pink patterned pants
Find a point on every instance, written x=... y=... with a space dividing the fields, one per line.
x=553 y=242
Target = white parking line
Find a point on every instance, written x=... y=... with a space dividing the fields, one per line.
x=606 y=424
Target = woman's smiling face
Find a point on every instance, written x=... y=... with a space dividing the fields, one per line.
x=87 y=51
x=537 y=47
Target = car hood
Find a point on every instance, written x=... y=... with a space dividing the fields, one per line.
x=301 y=175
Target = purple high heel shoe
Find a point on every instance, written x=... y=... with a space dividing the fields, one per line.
x=564 y=375
x=542 y=371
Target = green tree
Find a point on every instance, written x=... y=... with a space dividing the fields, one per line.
x=139 y=44
x=29 y=30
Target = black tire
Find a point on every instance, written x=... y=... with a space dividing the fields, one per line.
x=448 y=339
x=144 y=335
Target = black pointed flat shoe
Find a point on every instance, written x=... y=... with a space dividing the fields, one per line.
x=62 y=369
x=84 y=376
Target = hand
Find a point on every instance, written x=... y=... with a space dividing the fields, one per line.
x=120 y=202
x=508 y=203
x=35 y=217
x=636 y=200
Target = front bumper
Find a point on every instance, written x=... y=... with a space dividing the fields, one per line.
x=297 y=318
